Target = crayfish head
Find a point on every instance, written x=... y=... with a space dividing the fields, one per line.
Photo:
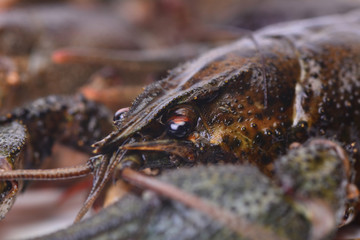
x=177 y=136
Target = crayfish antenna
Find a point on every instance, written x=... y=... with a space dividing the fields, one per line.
x=46 y=174
x=135 y=60
x=99 y=182
x=103 y=172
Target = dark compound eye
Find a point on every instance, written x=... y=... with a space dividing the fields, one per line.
x=179 y=126
x=120 y=114
x=181 y=122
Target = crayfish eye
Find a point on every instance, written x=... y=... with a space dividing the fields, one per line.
x=181 y=122
x=120 y=114
x=179 y=127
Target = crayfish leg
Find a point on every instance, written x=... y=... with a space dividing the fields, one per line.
x=12 y=141
x=73 y=121
x=307 y=167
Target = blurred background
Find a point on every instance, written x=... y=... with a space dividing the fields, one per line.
x=108 y=50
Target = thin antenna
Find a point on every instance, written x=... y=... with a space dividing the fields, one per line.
x=47 y=174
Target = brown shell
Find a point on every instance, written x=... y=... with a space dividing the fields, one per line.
x=311 y=88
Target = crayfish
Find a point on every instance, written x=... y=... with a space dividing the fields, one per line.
x=239 y=107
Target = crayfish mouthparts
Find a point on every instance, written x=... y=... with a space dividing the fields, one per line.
x=183 y=149
x=112 y=164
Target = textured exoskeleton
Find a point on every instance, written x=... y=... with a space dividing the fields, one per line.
x=248 y=102
x=28 y=133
